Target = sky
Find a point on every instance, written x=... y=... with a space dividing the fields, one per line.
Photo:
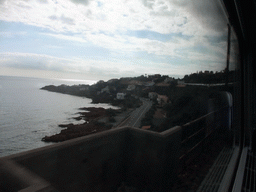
x=103 y=39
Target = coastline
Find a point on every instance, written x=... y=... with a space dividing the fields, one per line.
x=96 y=119
x=37 y=112
x=90 y=115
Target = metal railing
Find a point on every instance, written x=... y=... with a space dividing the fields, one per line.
x=198 y=134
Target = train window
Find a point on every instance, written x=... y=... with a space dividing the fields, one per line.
x=179 y=59
x=209 y=103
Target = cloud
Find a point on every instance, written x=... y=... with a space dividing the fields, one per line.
x=67 y=20
x=66 y=37
x=2 y=1
x=209 y=14
x=63 y=19
x=164 y=17
x=43 y=1
x=84 y=2
x=9 y=34
x=106 y=24
x=31 y=61
x=100 y=68
x=177 y=47
x=53 y=17
x=50 y=63
x=148 y=3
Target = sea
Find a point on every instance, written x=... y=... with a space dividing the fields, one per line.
x=27 y=113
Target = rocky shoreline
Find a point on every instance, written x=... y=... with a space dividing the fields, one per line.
x=96 y=119
x=91 y=115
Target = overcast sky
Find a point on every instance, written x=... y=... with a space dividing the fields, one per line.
x=104 y=39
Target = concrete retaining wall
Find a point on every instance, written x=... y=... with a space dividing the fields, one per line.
x=153 y=159
x=101 y=162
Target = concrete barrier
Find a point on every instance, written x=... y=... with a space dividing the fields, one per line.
x=153 y=159
x=14 y=177
x=99 y=162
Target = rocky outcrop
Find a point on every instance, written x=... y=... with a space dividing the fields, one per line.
x=74 y=131
x=90 y=115
x=66 y=125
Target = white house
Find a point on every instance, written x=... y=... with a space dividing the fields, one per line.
x=131 y=87
x=120 y=96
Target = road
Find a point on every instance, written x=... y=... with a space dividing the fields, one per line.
x=135 y=117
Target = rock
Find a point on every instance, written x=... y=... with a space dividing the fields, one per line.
x=73 y=131
x=77 y=118
x=66 y=125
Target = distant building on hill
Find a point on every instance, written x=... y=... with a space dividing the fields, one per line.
x=120 y=96
x=84 y=87
x=149 y=84
x=131 y=87
x=169 y=80
x=152 y=95
x=162 y=100
x=135 y=82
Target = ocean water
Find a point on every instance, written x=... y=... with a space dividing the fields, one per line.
x=27 y=114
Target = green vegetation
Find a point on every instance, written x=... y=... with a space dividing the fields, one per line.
x=185 y=102
x=190 y=103
x=209 y=77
